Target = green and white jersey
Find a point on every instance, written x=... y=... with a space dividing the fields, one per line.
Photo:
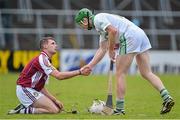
x=102 y=20
x=131 y=37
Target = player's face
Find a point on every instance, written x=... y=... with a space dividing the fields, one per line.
x=52 y=46
x=84 y=24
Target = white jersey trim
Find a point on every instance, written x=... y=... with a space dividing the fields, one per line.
x=35 y=78
x=47 y=69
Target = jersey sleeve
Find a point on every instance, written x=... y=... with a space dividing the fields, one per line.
x=45 y=64
x=101 y=22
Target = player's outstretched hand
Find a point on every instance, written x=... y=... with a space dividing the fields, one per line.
x=86 y=70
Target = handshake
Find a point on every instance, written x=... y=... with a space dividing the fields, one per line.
x=85 y=70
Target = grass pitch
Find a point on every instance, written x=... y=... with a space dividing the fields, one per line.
x=141 y=102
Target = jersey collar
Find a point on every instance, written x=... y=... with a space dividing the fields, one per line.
x=44 y=53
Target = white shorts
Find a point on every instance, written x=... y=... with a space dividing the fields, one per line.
x=27 y=96
x=134 y=40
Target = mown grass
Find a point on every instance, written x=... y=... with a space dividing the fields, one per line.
x=142 y=100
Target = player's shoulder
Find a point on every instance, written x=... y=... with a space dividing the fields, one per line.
x=100 y=15
x=43 y=55
x=34 y=60
x=43 y=60
x=99 y=18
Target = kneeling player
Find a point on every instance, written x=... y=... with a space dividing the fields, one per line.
x=30 y=90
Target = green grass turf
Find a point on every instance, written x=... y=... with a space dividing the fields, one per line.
x=142 y=100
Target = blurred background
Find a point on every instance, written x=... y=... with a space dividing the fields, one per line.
x=24 y=22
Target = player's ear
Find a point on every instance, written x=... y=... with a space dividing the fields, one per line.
x=45 y=46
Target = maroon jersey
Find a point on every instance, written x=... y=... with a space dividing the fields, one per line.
x=36 y=72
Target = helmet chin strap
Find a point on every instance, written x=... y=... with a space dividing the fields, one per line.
x=89 y=27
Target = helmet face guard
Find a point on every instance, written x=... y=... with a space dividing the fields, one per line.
x=89 y=27
x=84 y=13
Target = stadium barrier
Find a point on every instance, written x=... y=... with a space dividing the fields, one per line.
x=60 y=24
x=162 y=62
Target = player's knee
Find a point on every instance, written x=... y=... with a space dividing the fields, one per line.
x=54 y=110
x=120 y=75
x=145 y=75
x=121 y=72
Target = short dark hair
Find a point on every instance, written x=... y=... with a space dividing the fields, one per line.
x=44 y=41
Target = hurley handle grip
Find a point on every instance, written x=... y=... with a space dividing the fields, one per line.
x=111 y=65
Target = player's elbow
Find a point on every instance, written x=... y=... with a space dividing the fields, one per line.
x=60 y=77
x=114 y=32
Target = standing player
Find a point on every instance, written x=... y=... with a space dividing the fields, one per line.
x=30 y=90
x=134 y=43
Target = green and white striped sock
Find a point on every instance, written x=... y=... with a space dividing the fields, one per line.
x=119 y=104
x=165 y=94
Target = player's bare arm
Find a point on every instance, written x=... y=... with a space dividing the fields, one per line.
x=112 y=33
x=69 y=74
x=99 y=53
x=50 y=96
